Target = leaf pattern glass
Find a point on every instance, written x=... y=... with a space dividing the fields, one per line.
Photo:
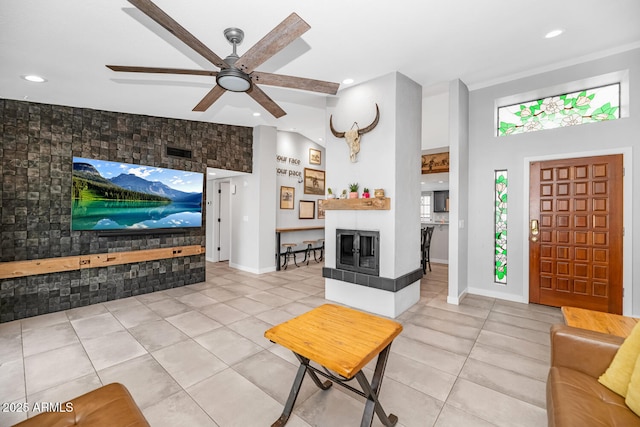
x=501 y=183
x=571 y=109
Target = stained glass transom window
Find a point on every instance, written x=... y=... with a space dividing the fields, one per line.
x=501 y=184
x=571 y=109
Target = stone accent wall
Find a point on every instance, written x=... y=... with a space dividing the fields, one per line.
x=37 y=145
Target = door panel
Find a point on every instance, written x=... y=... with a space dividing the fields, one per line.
x=225 y=221
x=575 y=248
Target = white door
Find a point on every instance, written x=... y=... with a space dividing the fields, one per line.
x=211 y=248
x=224 y=221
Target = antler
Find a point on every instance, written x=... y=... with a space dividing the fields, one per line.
x=372 y=125
x=333 y=131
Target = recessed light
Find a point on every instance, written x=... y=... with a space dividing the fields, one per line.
x=256 y=114
x=440 y=182
x=347 y=81
x=554 y=33
x=320 y=139
x=33 y=78
x=212 y=173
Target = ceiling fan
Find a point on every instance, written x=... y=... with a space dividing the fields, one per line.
x=237 y=73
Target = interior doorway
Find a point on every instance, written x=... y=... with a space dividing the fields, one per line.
x=576 y=232
x=224 y=221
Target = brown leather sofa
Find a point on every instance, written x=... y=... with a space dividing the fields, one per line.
x=108 y=406
x=574 y=395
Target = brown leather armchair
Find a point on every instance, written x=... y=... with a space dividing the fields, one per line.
x=574 y=395
x=108 y=406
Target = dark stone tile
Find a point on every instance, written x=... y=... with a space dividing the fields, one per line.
x=37 y=144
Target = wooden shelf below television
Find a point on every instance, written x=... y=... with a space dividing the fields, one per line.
x=380 y=204
x=12 y=269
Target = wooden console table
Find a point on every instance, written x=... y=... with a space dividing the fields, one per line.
x=287 y=230
x=599 y=321
x=342 y=340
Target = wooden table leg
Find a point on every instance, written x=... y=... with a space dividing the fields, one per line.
x=295 y=389
x=371 y=393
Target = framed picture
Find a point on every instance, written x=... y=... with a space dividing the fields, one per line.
x=313 y=182
x=307 y=209
x=321 y=208
x=435 y=163
x=315 y=156
x=287 y=197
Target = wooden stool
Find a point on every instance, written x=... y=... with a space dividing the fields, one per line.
x=287 y=255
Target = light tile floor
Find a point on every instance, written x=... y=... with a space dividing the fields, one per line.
x=196 y=356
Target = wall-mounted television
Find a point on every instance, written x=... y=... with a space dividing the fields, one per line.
x=112 y=196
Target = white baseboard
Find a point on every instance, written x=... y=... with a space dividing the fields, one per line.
x=456 y=300
x=252 y=270
x=439 y=261
x=498 y=295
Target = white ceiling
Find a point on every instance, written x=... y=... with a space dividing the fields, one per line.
x=432 y=42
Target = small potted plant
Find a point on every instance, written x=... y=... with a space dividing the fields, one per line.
x=353 y=188
x=330 y=194
x=365 y=193
x=344 y=194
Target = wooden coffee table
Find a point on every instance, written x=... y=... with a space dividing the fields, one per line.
x=342 y=340
x=599 y=321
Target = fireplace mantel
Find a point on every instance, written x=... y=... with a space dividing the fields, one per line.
x=378 y=203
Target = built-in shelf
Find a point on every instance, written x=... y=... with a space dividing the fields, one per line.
x=378 y=203
x=13 y=269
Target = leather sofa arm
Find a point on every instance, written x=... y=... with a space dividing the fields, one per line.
x=585 y=351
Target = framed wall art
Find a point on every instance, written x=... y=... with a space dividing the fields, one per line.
x=307 y=209
x=435 y=163
x=313 y=182
x=315 y=156
x=321 y=208
x=286 y=197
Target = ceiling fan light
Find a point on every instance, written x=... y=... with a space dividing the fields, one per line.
x=233 y=80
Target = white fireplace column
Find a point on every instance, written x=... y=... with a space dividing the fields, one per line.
x=389 y=159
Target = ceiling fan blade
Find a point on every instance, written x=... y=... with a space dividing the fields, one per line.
x=277 y=39
x=210 y=98
x=154 y=12
x=295 y=82
x=267 y=103
x=132 y=69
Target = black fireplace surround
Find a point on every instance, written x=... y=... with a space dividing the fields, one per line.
x=358 y=250
x=358 y=262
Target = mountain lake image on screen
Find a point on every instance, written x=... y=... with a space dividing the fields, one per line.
x=121 y=196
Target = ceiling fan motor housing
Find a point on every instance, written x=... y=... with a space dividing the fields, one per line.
x=231 y=78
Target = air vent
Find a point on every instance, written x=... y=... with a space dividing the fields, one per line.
x=178 y=152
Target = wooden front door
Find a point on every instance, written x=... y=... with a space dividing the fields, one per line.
x=575 y=233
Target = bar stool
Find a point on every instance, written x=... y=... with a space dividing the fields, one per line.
x=321 y=251
x=288 y=253
x=307 y=252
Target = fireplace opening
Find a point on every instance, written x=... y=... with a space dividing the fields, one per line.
x=358 y=250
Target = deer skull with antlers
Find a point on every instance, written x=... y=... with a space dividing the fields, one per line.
x=352 y=136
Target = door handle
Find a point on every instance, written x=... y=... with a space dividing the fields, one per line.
x=534 y=226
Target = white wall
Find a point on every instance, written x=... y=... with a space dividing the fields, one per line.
x=458 y=190
x=435 y=121
x=254 y=209
x=292 y=145
x=488 y=153
x=389 y=158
